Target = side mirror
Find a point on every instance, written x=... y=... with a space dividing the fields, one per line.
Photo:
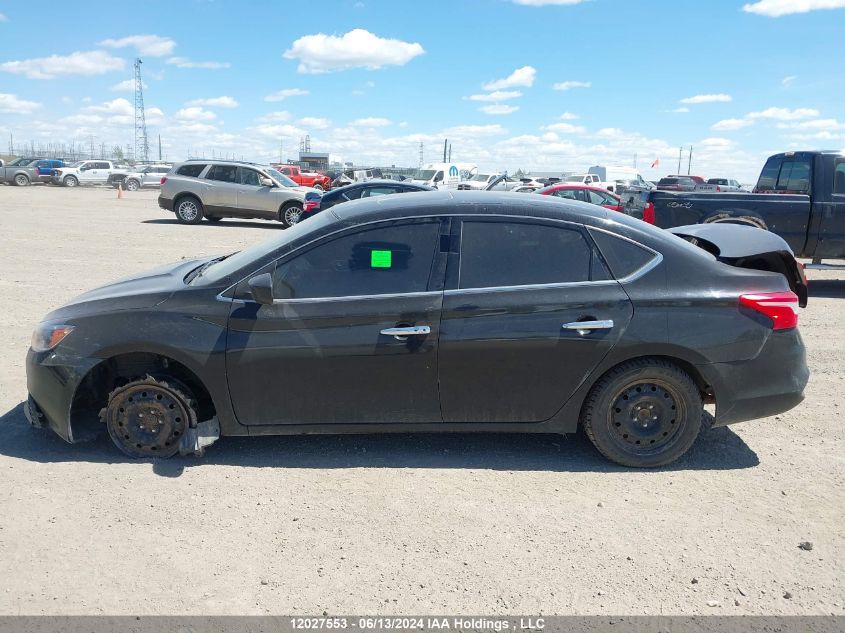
x=266 y=182
x=261 y=287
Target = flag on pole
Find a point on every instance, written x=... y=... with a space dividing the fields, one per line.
x=655 y=163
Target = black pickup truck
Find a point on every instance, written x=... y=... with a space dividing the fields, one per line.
x=799 y=196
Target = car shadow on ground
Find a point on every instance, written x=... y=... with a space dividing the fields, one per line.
x=716 y=449
x=244 y=224
x=827 y=288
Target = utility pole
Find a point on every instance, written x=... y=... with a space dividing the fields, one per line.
x=450 y=152
x=142 y=147
x=680 y=155
x=421 y=155
x=444 y=149
x=159 y=148
x=689 y=164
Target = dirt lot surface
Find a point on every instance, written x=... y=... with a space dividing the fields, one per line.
x=400 y=524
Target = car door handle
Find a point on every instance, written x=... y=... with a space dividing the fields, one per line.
x=401 y=333
x=585 y=327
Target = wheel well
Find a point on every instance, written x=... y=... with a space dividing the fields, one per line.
x=182 y=196
x=691 y=370
x=93 y=392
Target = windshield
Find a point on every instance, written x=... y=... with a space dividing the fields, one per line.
x=424 y=174
x=280 y=177
x=574 y=179
x=222 y=269
x=481 y=177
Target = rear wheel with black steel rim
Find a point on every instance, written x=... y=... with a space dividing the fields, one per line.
x=148 y=417
x=643 y=413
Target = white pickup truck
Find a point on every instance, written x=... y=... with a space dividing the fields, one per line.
x=89 y=172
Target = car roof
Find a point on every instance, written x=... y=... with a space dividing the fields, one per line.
x=466 y=203
x=378 y=182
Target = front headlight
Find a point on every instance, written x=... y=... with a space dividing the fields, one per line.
x=47 y=335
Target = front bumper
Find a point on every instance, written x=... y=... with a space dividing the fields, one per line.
x=769 y=384
x=165 y=203
x=52 y=379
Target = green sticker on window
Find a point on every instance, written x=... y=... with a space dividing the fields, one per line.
x=381 y=259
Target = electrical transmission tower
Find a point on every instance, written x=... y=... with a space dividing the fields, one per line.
x=421 y=154
x=142 y=147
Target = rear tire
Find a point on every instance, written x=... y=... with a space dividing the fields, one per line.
x=643 y=413
x=148 y=417
x=290 y=214
x=21 y=180
x=70 y=181
x=189 y=210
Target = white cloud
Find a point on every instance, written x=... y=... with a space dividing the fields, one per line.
x=281 y=95
x=679 y=110
x=473 y=131
x=10 y=103
x=731 y=124
x=786 y=82
x=569 y=85
x=276 y=131
x=716 y=143
x=708 y=98
x=403 y=124
x=568 y=116
x=498 y=108
x=314 y=123
x=496 y=95
x=3 y=18
x=195 y=113
x=546 y=3
x=817 y=124
x=214 y=102
x=148 y=45
x=321 y=53
x=127 y=85
x=119 y=106
x=566 y=128
x=784 y=114
x=777 y=8
x=520 y=77
x=275 y=117
x=78 y=63
x=184 y=62
x=372 y=121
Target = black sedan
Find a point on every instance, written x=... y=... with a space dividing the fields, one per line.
x=359 y=190
x=462 y=311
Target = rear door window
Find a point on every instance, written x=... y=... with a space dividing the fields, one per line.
x=794 y=176
x=223 y=173
x=500 y=253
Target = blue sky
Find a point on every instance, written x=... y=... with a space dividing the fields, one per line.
x=531 y=84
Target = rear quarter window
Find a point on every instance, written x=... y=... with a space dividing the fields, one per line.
x=192 y=171
x=625 y=258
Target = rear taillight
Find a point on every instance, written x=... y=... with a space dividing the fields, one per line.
x=780 y=307
x=648 y=212
x=163 y=179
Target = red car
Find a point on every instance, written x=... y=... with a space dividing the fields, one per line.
x=583 y=193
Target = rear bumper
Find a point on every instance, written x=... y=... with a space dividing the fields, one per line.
x=165 y=203
x=771 y=383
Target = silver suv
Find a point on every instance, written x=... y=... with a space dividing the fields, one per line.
x=145 y=176
x=215 y=189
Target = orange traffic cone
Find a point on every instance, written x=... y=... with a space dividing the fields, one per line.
x=119 y=190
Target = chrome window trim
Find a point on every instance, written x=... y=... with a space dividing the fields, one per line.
x=393 y=295
x=564 y=284
x=642 y=270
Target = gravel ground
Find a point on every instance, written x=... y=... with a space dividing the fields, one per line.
x=399 y=524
